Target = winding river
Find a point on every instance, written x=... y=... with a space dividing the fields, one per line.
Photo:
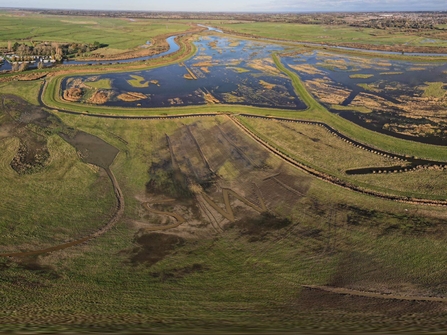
x=173 y=47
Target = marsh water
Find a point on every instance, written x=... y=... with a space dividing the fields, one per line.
x=236 y=71
x=231 y=71
x=397 y=83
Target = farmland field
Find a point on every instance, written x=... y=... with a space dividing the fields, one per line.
x=339 y=35
x=235 y=185
x=119 y=35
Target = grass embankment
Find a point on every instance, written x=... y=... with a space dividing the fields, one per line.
x=52 y=93
x=317 y=148
x=317 y=112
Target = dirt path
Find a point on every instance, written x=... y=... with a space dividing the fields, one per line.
x=180 y=219
x=345 y=291
x=113 y=220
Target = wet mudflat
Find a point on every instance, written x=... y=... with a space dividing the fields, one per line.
x=32 y=125
x=399 y=98
x=224 y=70
x=92 y=149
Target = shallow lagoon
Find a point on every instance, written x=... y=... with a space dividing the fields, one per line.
x=392 y=97
x=225 y=70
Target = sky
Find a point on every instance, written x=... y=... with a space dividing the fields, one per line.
x=236 y=5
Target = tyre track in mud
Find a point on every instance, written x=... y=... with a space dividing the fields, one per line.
x=365 y=294
x=119 y=211
x=228 y=213
x=180 y=219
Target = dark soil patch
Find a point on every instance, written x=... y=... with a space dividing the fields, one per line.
x=31 y=156
x=33 y=264
x=154 y=247
x=38 y=275
x=92 y=149
x=32 y=125
x=164 y=179
x=179 y=273
x=259 y=227
x=356 y=268
x=28 y=123
x=332 y=306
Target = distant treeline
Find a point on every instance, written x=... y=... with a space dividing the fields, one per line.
x=378 y=20
x=56 y=50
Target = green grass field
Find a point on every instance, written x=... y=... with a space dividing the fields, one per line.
x=237 y=285
x=361 y=76
x=118 y=34
x=327 y=34
x=27 y=90
x=45 y=208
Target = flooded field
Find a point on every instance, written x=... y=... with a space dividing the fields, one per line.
x=224 y=70
x=400 y=98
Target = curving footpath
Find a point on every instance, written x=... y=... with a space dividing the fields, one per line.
x=180 y=219
x=113 y=220
x=364 y=294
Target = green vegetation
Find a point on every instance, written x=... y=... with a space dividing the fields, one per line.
x=317 y=112
x=360 y=109
x=100 y=84
x=245 y=275
x=434 y=90
x=138 y=81
x=238 y=69
x=391 y=73
x=361 y=76
x=27 y=90
x=368 y=87
x=326 y=34
x=54 y=196
x=244 y=280
x=317 y=148
x=117 y=34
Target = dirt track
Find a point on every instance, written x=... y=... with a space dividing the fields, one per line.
x=228 y=213
x=180 y=219
x=345 y=291
x=114 y=219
